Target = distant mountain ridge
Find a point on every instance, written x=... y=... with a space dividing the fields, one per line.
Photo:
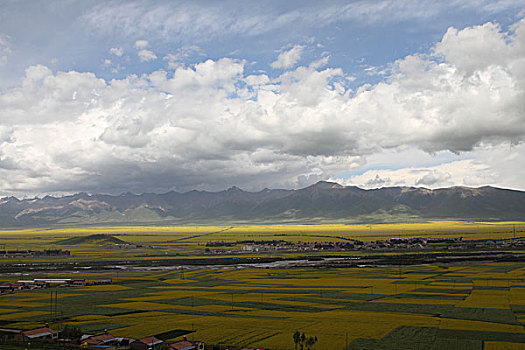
x=318 y=203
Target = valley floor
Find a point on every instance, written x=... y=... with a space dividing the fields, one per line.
x=470 y=299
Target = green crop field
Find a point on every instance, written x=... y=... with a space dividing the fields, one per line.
x=468 y=307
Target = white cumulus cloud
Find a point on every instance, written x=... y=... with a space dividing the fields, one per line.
x=463 y=172
x=141 y=44
x=289 y=58
x=146 y=55
x=212 y=125
x=117 y=51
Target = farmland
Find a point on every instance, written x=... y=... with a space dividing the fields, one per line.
x=364 y=308
x=147 y=241
x=467 y=305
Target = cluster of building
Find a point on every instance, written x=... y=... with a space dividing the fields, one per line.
x=106 y=341
x=298 y=247
x=392 y=244
x=439 y=243
x=268 y=243
x=39 y=283
x=10 y=254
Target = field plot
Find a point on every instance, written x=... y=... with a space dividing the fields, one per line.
x=142 y=242
x=462 y=307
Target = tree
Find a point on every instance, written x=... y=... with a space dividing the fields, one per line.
x=304 y=341
x=310 y=341
x=71 y=332
x=296 y=338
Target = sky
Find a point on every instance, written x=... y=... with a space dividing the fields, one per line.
x=154 y=96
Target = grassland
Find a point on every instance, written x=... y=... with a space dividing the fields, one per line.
x=472 y=306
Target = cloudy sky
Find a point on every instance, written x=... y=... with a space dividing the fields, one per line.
x=142 y=96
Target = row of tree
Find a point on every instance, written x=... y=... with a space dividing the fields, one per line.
x=303 y=342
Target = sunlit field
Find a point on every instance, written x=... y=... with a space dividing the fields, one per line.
x=472 y=306
x=193 y=239
x=466 y=307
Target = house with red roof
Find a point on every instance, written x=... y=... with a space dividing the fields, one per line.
x=147 y=343
x=102 y=341
x=44 y=333
x=187 y=345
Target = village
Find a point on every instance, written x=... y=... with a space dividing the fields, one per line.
x=15 y=254
x=40 y=283
x=71 y=338
x=388 y=245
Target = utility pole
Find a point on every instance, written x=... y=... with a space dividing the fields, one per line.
x=50 y=306
x=56 y=304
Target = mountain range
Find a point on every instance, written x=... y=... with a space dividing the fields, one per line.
x=322 y=202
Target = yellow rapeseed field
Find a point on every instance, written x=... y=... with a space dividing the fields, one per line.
x=188 y=239
x=264 y=307
x=500 y=345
